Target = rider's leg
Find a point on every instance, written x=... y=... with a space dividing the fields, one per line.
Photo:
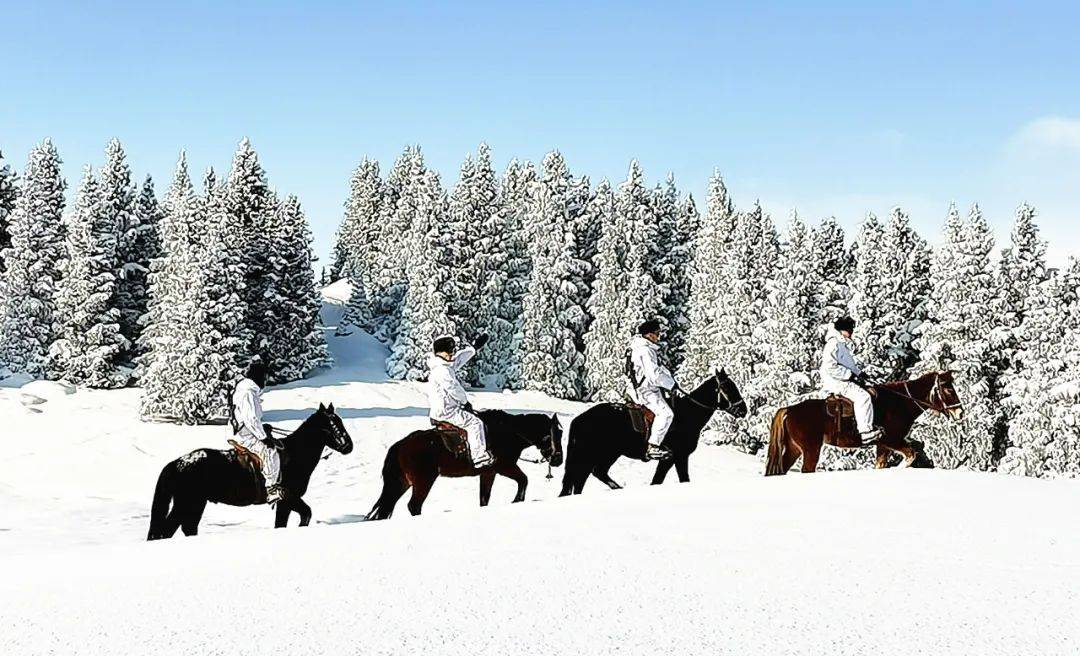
x=664 y=416
x=864 y=407
x=475 y=434
x=271 y=460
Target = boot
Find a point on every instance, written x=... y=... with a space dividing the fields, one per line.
x=657 y=452
x=485 y=460
x=871 y=436
x=274 y=493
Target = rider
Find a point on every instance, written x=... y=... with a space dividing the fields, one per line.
x=447 y=397
x=250 y=431
x=840 y=375
x=649 y=379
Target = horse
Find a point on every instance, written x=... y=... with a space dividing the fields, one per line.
x=603 y=433
x=420 y=457
x=803 y=428
x=203 y=475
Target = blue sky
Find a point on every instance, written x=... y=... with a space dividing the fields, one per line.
x=836 y=108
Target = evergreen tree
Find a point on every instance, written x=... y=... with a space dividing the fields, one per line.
x=832 y=268
x=869 y=286
x=182 y=368
x=644 y=294
x=28 y=322
x=8 y=194
x=296 y=343
x=906 y=259
x=140 y=248
x=502 y=355
x=610 y=330
x=400 y=208
x=553 y=313
x=250 y=204
x=785 y=337
x=89 y=345
x=358 y=242
x=425 y=310
x=119 y=207
x=957 y=336
x=1022 y=268
x=1044 y=395
x=677 y=278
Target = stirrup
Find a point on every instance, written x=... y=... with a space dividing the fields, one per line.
x=485 y=460
x=654 y=452
x=871 y=437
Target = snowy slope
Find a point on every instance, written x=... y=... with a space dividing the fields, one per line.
x=896 y=562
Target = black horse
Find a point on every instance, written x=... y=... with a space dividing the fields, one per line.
x=420 y=457
x=217 y=475
x=604 y=432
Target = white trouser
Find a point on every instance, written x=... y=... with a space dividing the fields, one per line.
x=473 y=427
x=654 y=400
x=271 y=461
x=864 y=404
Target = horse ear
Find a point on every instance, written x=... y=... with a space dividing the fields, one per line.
x=723 y=372
x=322 y=408
x=330 y=408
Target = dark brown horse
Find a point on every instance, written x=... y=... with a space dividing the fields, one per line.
x=803 y=428
x=421 y=457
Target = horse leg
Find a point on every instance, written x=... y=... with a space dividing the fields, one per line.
x=882 y=460
x=662 y=469
x=600 y=471
x=791 y=454
x=192 y=516
x=303 y=510
x=487 y=479
x=682 y=467
x=281 y=513
x=515 y=474
x=420 y=489
x=810 y=458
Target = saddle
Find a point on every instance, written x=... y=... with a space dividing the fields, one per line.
x=641 y=420
x=453 y=438
x=841 y=429
x=248 y=459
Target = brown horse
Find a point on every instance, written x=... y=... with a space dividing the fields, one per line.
x=421 y=457
x=803 y=428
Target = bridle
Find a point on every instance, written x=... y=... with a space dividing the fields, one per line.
x=551 y=442
x=720 y=394
x=935 y=401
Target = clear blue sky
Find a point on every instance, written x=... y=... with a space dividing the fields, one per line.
x=839 y=108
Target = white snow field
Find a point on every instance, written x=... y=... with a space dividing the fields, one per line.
x=892 y=562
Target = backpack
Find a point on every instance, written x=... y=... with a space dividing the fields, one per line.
x=628 y=369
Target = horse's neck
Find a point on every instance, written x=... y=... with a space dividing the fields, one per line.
x=696 y=415
x=918 y=390
x=304 y=449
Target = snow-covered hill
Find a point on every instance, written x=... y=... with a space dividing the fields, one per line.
x=895 y=562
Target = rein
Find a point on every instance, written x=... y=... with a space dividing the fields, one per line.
x=928 y=404
x=719 y=393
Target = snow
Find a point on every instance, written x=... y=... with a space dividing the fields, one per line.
x=895 y=562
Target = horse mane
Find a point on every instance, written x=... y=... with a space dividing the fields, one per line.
x=898 y=384
x=502 y=417
x=305 y=426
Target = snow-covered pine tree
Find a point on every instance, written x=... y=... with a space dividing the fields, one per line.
x=27 y=322
x=502 y=356
x=785 y=338
x=1044 y=395
x=182 y=368
x=90 y=346
x=833 y=267
x=425 y=310
x=8 y=194
x=958 y=336
x=1021 y=270
x=707 y=285
x=554 y=312
x=399 y=209
x=677 y=278
x=119 y=206
x=296 y=342
x=644 y=293
x=610 y=329
x=223 y=285
x=250 y=204
x=475 y=255
x=142 y=246
x=906 y=261
x=870 y=283
x=358 y=242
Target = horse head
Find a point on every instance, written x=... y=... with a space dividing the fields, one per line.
x=333 y=429
x=943 y=397
x=728 y=397
x=550 y=443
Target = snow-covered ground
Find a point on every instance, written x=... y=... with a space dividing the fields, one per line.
x=895 y=562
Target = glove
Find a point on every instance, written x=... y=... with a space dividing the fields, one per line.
x=861 y=379
x=480 y=340
x=469 y=409
x=274 y=443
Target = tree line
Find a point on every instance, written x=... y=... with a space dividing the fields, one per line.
x=176 y=297
x=560 y=271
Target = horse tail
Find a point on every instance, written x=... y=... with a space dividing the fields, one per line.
x=777 y=436
x=394 y=485
x=159 y=508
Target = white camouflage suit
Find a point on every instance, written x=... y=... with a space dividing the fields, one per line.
x=653 y=378
x=247 y=414
x=838 y=372
x=447 y=399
